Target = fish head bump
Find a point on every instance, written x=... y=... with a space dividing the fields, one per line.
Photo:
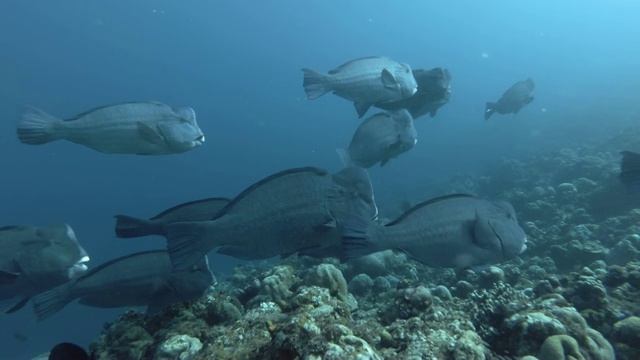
x=356 y=191
x=408 y=83
x=181 y=134
x=56 y=259
x=504 y=223
x=194 y=281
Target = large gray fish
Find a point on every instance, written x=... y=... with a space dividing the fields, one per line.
x=459 y=231
x=514 y=99
x=365 y=81
x=288 y=212
x=434 y=90
x=199 y=210
x=144 y=128
x=141 y=279
x=379 y=139
x=36 y=259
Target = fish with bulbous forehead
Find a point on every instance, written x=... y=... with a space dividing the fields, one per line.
x=459 y=231
x=514 y=99
x=293 y=211
x=365 y=81
x=143 y=128
x=434 y=91
x=36 y=259
x=380 y=138
x=140 y=279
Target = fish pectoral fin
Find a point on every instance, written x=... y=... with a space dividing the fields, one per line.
x=7 y=277
x=150 y=134
x=330 y=224
x=388 y=80
x=361 y=108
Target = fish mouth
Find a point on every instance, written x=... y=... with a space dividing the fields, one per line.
x=78 y=268
x=199 y=140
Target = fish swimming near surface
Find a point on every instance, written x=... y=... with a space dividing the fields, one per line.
x=289 y=212
x=365 y=81
x=458 y=231
x=143 y=128
x=514 y=99
x=36 y=259
x=140 y=279
x=379 y=139
x=630 y=170
x=199 y=210
x=434 y=91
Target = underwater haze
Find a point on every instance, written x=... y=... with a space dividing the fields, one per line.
x=238 y=65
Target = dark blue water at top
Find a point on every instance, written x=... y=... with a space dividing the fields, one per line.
x=238 y=65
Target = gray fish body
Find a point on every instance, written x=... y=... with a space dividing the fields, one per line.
x=140 y=279
x=288 y=212
x=514 y=99
x=365 y=81
x=36 y=259
x=145 y=128
x=380 y=138
x=434 y=91
x=454 y=231
x=199 y=210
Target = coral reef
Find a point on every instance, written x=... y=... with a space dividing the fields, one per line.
x=572 y=295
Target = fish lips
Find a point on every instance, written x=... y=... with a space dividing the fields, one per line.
x=78 y=268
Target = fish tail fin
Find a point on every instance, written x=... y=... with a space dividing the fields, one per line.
x=50 y=302
x=131 y=227
x=183 y=240
x=489 y=109
x=630 y=170
x=356 y=240
x=37 y=127
x=315 y=84
x=344 y=156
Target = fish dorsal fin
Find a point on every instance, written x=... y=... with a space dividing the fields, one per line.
x=388 y=79
x=150 y=134
x=427 y=203
x=186 y=113
x=250 y=189
x=223 y=202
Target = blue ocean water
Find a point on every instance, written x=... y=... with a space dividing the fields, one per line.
x=238 y=65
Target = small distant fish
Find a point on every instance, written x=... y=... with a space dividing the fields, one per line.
x=514 y=99
x=143 y=128
x=140 y=279
x=199 y=210
x=434 y=91
x=36 y=259
x=288 y=212
x=379 y=139
x=365 y=81
x=65 y=351
x=630 y=170
x=459 y=231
